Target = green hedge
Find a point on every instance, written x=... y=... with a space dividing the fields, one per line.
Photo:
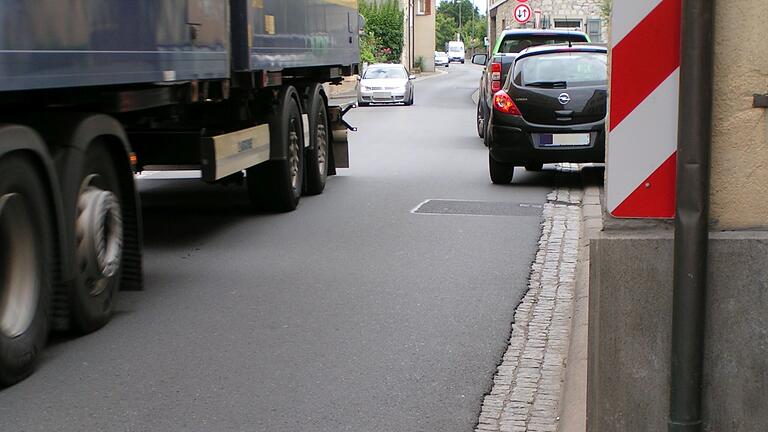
x=383 y=38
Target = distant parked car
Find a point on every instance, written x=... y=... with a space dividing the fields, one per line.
x=551 y=108
x=441 y=59
x=385 y=83
x=508 y=46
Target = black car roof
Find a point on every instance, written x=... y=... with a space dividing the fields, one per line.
x=541 y=32
x=576 y=47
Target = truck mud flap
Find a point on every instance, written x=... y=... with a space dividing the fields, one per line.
x=339 y=129
x=230 y=153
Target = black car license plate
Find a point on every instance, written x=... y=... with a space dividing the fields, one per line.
x=562 y=140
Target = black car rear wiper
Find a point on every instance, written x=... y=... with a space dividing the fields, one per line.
x=548 y=84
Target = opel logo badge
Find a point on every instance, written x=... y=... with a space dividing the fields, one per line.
x=564 y=98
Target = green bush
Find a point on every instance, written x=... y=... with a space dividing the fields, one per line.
x=605 y=8
x=420 y=63
x=368 y=46
x=383 y=38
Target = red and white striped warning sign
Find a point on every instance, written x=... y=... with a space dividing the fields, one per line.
x=642 y=137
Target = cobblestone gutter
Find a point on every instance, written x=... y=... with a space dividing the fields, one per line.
x=528 y=382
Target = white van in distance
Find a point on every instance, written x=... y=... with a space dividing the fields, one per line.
x=455 y=51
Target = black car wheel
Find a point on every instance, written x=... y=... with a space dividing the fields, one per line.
x=481 y=123
x=501 y=172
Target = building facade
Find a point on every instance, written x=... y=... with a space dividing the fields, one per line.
x=419 y=34
x=581 y=15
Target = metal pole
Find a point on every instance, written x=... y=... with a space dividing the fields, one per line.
x=692 y=215
x=411 y=29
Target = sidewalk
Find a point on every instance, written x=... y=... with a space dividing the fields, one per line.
x=540 y=384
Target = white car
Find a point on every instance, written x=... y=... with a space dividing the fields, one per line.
x=441 y=59
x=385 y=83
x=456 y=51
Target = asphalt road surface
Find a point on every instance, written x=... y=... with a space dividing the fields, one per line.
x=350 y=314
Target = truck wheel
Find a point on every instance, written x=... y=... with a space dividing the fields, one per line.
x=99 y=240
x=276 y=185
x=480 y=119
x=26 y=256
x=316 y=155
x=501 y=173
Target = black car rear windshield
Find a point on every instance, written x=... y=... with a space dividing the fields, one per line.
x=514 y=43
x=562 y=70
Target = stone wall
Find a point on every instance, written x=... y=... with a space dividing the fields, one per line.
x=740 y=132
x=630 y=328
x=552 y=10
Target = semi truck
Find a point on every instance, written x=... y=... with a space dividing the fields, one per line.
x=94 y=91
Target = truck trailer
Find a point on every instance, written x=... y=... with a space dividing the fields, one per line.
x=93 y=91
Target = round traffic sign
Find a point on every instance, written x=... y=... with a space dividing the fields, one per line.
x=522 y=13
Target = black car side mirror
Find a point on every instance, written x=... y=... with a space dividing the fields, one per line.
x=480 y=59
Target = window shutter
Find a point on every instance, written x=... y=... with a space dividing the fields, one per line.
x=427 y=7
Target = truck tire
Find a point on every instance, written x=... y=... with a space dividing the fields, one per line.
x=501 y=173
x=99 y=235
x=276 y=185
x=316 y=155
x=26 y=266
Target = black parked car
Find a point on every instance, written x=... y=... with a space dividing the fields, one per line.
x=510 y=43
x=551 y=109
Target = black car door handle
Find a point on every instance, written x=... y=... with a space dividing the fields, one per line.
x=564 y=113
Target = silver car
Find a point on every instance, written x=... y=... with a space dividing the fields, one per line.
x=385 y=83
x=441 y=59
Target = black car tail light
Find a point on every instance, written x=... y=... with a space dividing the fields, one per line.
x=503 y=103
x=495 y=76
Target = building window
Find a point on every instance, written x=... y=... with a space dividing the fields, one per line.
x=423 y=7
x=594 y=30
x=567 y=23
x=503 y=24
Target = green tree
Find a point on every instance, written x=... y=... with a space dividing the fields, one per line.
x=451 y=8
x=474 y=33
x=445 y=30
x=383 y=38
x=473 y=24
